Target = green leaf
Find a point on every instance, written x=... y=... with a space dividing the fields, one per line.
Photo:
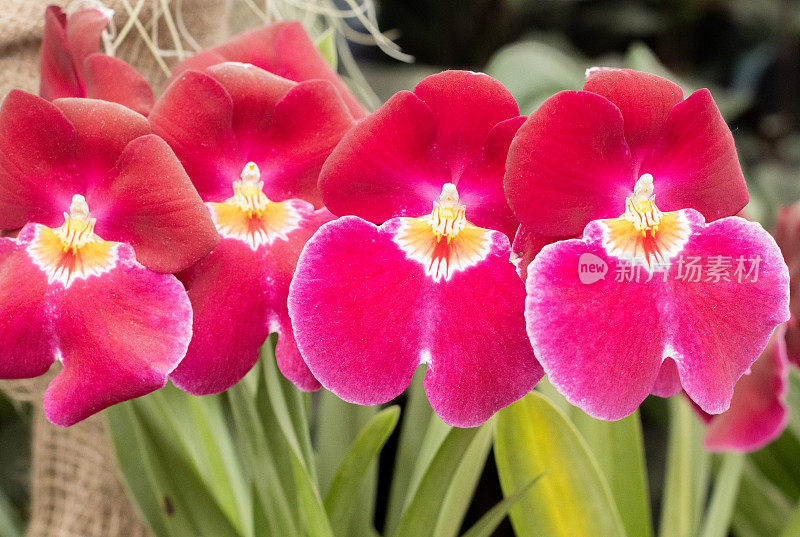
x=619 y=450
x=253 y=441
x=761 y=508
x=326 y=44
x=310 y=502
x=416 y=417
x=572 y=499
x=686 y=474
x=486 y=525
x=792 y=528
x=339 y=502
x=140 y=472
x=289 y=405
x=427 y=498
x=336 y=426
x=183 y=487
x=718 y=517
x=465 y=481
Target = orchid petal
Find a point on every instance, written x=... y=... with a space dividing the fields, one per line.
x=148 y=201
x=366 y=315
x=569 y=164
x=694 y=162
x=645 y=101
x=111 y=79
x=602 y=342
x=120 y=335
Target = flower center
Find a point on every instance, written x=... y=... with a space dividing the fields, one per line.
x=421 y=238
x=248 y=192
x=448 y=216
x=640 y=207
x=643 y=234
x=78 y=227
x=72 y=250
x=250 y=216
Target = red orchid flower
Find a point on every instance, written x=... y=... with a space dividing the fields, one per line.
x=758 y=413
x=253 y=144
x=107 y=209
x=71 y=65
x=284 y=49
x=642 y=292
x=421 y=273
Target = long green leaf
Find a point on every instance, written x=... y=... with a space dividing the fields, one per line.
x=687 y=464
x=619 y=450
x=310 y=502
x=416 y=417
x=572 y=498
x=427 y=498
x=140 y=472
x=289 y=405
x=253 y=440
x=486 y=525
x=184 y=487
x=761 y=508
x=465 y=481
x=792 y=528
x=355 y=466
x=718 y=517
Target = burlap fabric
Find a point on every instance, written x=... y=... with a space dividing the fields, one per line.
x=75 y=485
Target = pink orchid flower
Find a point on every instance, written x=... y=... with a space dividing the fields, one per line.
x=284 y=49
x=758 y=412
x=253 y=144
x=71 y=65
x=654 y=302
x=606 y=338
x=421 y=273
x=107 y=210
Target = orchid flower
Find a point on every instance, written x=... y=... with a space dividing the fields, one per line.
x=253 y=144
x=106 y=209
x=648 y=284
x=284 y=49
x=758 y=412
x=420 y=274
x=71 y=65
x=654 y=302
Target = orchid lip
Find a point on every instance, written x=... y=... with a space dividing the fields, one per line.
x=464 y=245
x=73 y=250
x=643 y=234
x=250 y=216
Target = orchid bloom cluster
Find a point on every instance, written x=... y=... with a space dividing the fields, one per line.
x=596 y=241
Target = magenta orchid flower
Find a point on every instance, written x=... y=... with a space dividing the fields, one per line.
x=253 y=144
x=758 y=412
x=107 y=209
x=71 y=65
x=654 y=302
x=420 y=274
x=284 y=49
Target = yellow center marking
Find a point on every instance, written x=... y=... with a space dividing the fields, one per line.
x=72 y=250
x=250 y=216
